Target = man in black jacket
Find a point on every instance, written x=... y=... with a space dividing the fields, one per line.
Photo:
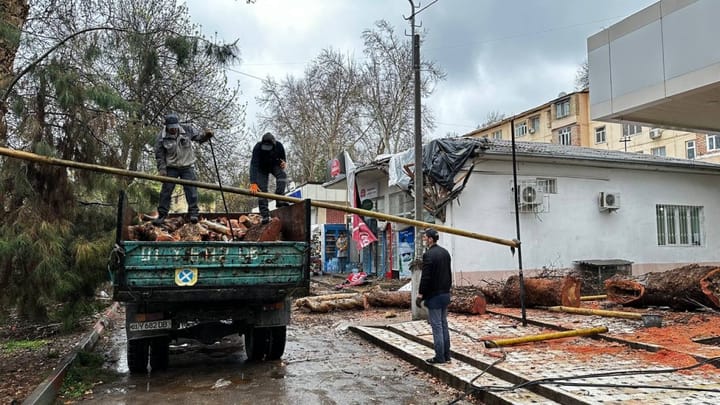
x=434 y=289
x=268 y=157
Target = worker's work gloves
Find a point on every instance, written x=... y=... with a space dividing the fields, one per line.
x=254 y=188
x=209 y=133
x=162 y=172
x=419 y=302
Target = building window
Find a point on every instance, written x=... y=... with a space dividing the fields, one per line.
x=713 y=142
x=548 y=186
x=690 y=149
x=679 y=225
x=564 y=136
x=631 y=129
x=600 y=135
x=562 y=109
x=534 y=124
x=497 y=134
x=658 y=151
x=521 y=129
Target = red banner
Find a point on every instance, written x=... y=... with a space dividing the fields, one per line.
x=361 y=233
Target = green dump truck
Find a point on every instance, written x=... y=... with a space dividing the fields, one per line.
x=206 y=290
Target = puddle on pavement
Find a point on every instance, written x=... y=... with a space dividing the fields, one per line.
x=321 y=364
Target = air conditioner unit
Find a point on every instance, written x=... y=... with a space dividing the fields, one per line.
x=609 y=200
x=655 y=133
x=531 y=130
x=530 y=195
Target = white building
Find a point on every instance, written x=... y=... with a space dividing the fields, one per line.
x=659 y=67
x=577 y=205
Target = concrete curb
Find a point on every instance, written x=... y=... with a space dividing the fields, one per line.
x=48 y=390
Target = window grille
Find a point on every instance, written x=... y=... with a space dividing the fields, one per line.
x=679 y=225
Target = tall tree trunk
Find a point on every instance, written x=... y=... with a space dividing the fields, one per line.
x=13 y=13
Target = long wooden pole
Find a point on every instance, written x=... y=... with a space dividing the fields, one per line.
x=32 y=157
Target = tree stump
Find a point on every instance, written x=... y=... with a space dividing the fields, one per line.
x=546 y=292
x=684 y=288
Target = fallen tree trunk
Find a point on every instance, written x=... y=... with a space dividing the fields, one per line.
x=545 y=292
x=492 y=291
x=684 y=288
x=461 y=301
x=394 y=299
x=333 y=302
x=467 y=300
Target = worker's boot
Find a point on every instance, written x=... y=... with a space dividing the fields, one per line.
x=159 y=220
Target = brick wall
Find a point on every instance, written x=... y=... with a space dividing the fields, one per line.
x=335 y=217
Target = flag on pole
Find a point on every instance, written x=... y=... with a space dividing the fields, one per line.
x=361 y=233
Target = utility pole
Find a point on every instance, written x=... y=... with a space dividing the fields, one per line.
x=625 y=140
x=418 y=180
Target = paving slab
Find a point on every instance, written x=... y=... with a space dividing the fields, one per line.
x=570 y=370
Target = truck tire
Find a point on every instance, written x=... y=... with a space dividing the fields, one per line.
x=277 y=342
x=137 y=355
x=257 y=343
x=160 y=353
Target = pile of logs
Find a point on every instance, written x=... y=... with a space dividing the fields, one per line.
x=245 y=227
x=461 y=301
x=684 y=288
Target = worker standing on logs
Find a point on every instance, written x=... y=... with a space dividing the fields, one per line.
x=175 y=158
x=434 y=290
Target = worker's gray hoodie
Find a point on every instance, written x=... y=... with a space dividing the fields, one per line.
x=177 y=151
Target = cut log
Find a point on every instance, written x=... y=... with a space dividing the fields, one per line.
x=461 y=302
x=328 y=297
x=394 y=299
x=492 y=292
x=546 y=292
x=683 y=288
x=325 y=304
x=470 y=304
x=265 y=233
x=215 y=227
x=191 y=232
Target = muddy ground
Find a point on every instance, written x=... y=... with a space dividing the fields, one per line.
x=323 y=363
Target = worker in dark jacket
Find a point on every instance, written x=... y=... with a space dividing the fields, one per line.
x=175 y=157
x=268 y=157
x=434 y=290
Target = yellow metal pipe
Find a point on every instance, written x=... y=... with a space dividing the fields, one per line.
x=32 y=157
x=545 y=336
x=593 y=297
x=599 y=312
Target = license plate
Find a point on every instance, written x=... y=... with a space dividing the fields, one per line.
x=151 y=325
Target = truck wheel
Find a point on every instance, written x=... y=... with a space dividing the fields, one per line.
x=257 y=343
x=137 y=355
x=160 y=353
x=277 y=342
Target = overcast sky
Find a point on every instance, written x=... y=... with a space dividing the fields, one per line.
x=499 y=55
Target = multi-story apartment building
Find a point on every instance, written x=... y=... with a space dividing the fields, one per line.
x=566 y=121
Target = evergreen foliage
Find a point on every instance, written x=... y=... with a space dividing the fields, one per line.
x=93 y=82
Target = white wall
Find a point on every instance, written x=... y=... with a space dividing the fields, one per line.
x=574 y=228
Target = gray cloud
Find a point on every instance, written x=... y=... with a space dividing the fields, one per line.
x=499 y=55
